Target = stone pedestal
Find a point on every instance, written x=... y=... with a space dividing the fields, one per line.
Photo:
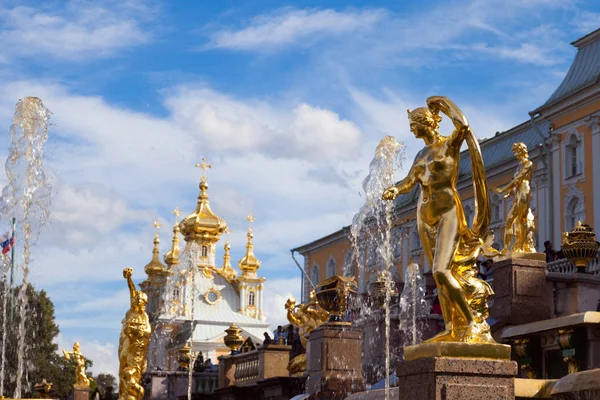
x=450 y=378
x=334 y=362
x=81 y=393
x=522 y=293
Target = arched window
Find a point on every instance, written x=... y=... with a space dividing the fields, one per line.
x=251 y=298
x=204 y=251
x=330 y=268
x=573 y=156
x=574 y=213
x=314 y=274
x=496 y=208
x=176 y=293
x=349 y=264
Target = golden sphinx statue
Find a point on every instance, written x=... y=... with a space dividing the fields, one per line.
x=450 y=245
x=133 y=343
x=519 y=215
x=306 y=317
x=81 y=378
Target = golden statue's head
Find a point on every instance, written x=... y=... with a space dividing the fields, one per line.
x=423 y=122
x=290 y=304
x=76 y=347
x=140 y=299
x=520 y=149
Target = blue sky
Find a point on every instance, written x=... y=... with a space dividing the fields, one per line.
x=286 y=100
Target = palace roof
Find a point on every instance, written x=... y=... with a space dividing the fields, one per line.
x=584 y=72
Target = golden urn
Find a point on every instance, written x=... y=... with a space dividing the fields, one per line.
x=335 y=295
x=233 y=339
x=580 y=246
x=184 y=357
x=379 y=288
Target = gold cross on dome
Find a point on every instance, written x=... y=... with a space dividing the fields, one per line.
x=204 y=166
x=227 y=232
x=156 y=225
x=250 y=218
x=177 y=213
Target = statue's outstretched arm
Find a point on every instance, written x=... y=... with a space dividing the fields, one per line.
x=517 y=179
x=127 y=272
x=406 y=184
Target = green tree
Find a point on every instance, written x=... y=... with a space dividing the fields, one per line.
x=41 y=356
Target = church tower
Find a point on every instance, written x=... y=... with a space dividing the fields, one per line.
x=250 y=285
x=157 y=277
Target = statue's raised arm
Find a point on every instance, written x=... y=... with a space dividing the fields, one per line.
x=127 y=272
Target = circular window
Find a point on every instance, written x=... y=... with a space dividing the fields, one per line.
x=212 y=296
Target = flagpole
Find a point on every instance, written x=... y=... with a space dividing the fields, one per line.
x=12 y=270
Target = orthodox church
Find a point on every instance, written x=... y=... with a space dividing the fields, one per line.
x=191 y=298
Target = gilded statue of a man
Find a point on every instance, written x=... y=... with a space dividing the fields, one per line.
x=450 y=245
x=81 y=378
x=519 y=216
x=133 y=343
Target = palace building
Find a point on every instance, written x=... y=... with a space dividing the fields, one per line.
x=193 y=297
x=563 y=139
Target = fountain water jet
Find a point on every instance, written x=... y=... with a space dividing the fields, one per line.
x=371 y=230
x=26 y=197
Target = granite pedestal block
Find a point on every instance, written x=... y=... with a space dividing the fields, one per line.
x=81 y=393
x=334 y=357
x=522 y=293
x=449 y=378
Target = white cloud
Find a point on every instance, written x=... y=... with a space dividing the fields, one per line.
x=78 y=31
x=292 y=26
x=227 y=124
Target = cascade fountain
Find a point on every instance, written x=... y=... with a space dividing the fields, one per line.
x=26 y=200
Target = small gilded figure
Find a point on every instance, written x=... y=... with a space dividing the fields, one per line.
x=81 y=378
x=133 y=343
x=520 y=224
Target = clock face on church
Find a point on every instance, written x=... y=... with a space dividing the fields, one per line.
x=212 y=296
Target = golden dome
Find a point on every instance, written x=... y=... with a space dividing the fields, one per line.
x=249 y=264
x=202 y=225
x=155 y=267
x=227 y=271
x=172 y=257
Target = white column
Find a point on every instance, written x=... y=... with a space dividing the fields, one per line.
x=556 y=203
x=594 y=123
x=259 y=294
x=542 y=213
x=242 y=296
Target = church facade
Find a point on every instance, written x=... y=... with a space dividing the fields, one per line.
x=194 y=296
x=563 y=139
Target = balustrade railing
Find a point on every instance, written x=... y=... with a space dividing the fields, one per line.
x=246 y=368
x=564 y=266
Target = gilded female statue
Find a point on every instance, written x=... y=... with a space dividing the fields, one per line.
x=81 y=378
x=450 y=245
x=520 y=214
x=133 y=343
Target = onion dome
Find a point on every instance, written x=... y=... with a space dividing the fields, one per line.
x=202 y=225
x=227 y=271
x=155 y=267
x=172 y=257
x=249 y=264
